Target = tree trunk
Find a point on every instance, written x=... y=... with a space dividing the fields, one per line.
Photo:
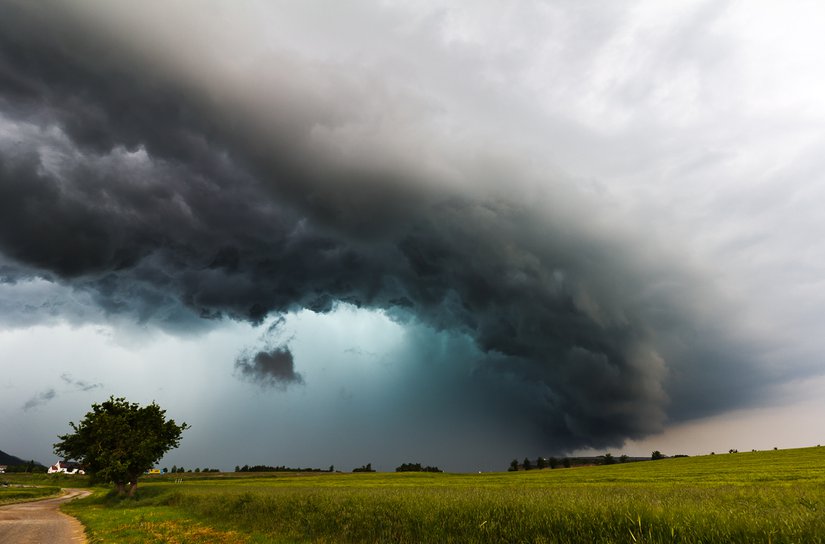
x=121 y=489
x=132 y=487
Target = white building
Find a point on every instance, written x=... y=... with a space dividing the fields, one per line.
x=66 y=467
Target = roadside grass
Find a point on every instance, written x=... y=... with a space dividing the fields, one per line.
x=110 y=519
x=776 y=496
x=24 y=487
x=14 y=493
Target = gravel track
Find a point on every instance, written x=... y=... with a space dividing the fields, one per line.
x=41 y=522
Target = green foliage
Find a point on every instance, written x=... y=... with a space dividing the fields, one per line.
x=526 y=464
x=513 y=465
x=656 y=455
x=364 y=468
x=745 y=498
x=118 y=441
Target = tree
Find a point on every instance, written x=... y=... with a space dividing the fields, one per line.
x=513 y=466
x=541 y=463
x=526 y=464
x=553 y=462
x=118 y=441
x=624 y=458
x=606 y=459
x=656 y=455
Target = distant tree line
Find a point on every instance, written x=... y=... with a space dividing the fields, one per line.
x=416 y=467
x=540 y=463
x=281 y=468
x=179 y=470
x=567 y=462
x=31 y=467
x=364 y=468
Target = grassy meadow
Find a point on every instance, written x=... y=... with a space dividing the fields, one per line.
x=20 y=487
x=773 y=496
x=14 y=493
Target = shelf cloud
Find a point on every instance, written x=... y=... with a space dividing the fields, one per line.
x=163 y=168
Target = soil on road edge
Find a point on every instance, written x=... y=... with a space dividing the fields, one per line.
x=41 y=521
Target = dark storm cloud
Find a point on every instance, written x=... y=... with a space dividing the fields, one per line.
x=274 y=368
x=163 y=200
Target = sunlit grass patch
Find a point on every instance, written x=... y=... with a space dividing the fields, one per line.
x=133 y=522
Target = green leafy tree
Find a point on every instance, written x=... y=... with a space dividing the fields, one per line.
x=118 y=441
x=513 y=465
x=541 y=463
x=527 y=464
x=624 y=458
x=656 y=455
x=553 y=462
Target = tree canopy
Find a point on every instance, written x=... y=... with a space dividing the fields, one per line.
x=118 y=441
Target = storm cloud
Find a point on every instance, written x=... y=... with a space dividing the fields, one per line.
x=152 y=187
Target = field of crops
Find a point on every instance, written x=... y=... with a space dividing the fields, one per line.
x=774 y=496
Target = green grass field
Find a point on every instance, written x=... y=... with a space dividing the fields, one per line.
x=775 y=496
x=12 y=494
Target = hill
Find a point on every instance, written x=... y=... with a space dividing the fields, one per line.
x=11 y=460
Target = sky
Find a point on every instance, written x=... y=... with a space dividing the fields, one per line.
x=392 y=231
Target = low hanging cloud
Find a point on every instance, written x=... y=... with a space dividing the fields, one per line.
x=273 y=368
x=80 y=385
x=178 y=194
x=39 y=399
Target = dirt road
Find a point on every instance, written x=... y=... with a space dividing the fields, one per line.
x=41 y=522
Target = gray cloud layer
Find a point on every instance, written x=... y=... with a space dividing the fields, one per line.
x=177 y=197
x=275 y=368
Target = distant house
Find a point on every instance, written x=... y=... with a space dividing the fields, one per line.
x=66 y=467
x=3 y=469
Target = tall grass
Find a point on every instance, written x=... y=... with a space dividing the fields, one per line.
x=745 y=497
